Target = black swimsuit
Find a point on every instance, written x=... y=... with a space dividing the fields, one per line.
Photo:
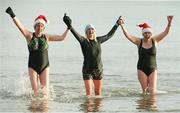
x=38 y=53
x=147 y=59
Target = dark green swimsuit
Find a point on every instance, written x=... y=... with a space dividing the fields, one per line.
x=147 y=59
x=38 y=53
x=91 y=50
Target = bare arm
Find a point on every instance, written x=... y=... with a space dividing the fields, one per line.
x=58 y=37
x=130 y=37
x=162 y=35
x=20 y=26
x=27 y=34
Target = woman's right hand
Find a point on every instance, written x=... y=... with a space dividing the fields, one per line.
x=10 y=12
x=120 y=21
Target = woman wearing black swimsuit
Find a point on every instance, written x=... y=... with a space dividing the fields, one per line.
x=147 y=67
x=38 y=64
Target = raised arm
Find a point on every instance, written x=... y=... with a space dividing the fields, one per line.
x=67 y=20
x=27 y=34
x=58 y=37
x=77 y=35
x=162 y=35
x=130 y=37
x=110 y=33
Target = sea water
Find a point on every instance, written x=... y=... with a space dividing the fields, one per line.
x=121 y=88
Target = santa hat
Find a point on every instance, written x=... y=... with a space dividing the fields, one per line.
x=41 y=19
x=89 y=26
x=145 y=28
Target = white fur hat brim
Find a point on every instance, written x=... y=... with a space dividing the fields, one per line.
x=147 y=30
x=39 y=21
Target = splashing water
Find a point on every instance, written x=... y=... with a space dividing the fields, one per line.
x=19 y=87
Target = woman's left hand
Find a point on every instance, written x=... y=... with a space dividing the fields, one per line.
x=170 y=18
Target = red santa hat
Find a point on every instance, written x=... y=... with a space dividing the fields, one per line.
x=145 y=28
x=41 y=19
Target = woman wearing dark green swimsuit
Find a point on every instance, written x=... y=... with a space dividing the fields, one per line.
x=38 y=64
x=147 y=67
x=91 y=49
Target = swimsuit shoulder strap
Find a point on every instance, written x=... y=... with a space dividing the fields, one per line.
x=153 y=42
x=33 y=35
x=140 y=45
x=44 y=36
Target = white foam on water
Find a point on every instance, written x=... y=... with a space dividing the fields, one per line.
x=20 y=87
x=161 y=92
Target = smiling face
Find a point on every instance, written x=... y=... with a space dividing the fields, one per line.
x=147 y=35
x=39 y=28
x=90 y=33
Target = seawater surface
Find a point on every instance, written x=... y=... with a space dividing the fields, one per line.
x=121 y=89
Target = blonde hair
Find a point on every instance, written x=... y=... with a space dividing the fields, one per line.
x=94 y=36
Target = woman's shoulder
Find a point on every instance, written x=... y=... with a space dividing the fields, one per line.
x=46 y=36
x=154 y=41
x=138 y=41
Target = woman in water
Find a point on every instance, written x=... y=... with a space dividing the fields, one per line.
x=147 y=67
x=37 y=41
x=91 y=48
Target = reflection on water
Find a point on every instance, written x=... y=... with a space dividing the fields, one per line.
x=147 y=102
x=39 y=106
x=91 y=105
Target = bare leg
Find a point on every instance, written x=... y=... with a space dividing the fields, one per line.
x=153 y=82
x=34 y=80
x=143 y=79
x=97 y=87
x=88 y=86
x=44 y=80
